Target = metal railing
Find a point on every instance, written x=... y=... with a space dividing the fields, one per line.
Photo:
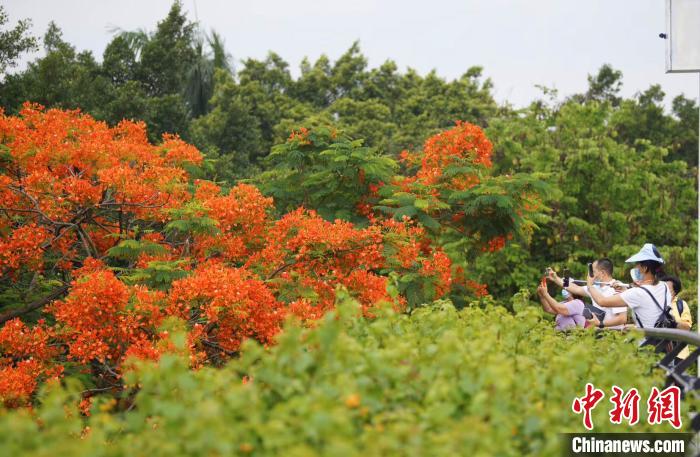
x=676 y=370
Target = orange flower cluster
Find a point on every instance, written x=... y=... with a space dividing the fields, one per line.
x=231 y=303
x=308 y=243
x=92 y=320
x=242 y=217
x=25 y=357
x=407 y=238
x=439 y=267
x=19 y=381
x=365 y=207
x=463 y=145
x=466 y=147
x=495 y=244
x=23 y=248
x=369 y=289
x=480 y=290
x=81 y=180
x=464 y=141
x=307 y=254
x=301 y=136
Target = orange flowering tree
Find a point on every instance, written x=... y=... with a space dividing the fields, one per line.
x=457 y=208
x=449 y=190
x=107 y=236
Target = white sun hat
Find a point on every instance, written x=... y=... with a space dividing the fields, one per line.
x=648 y=252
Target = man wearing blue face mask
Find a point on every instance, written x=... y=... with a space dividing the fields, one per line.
x=650 y=297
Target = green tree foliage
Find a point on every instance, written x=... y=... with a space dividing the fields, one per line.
x=63 y=78
x=684 y=133
x=164 y=77
x=230 y=133
x=621 y=179
x=166 y=57
x=14 y=42
x=604 y=86
x=326 y=171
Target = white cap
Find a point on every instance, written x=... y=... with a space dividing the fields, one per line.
x=648 y=252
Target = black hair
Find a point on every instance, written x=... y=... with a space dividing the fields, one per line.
x=606 y=265
x=677 y=286
x=655 y=268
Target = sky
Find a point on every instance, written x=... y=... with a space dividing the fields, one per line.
x=519 y=43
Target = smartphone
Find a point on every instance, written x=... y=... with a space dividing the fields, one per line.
x=567 y=275
x=590 y=270
x=587 y=313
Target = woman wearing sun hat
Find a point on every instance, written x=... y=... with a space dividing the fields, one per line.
x=649 y=297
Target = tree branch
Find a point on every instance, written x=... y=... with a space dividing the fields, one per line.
x=279 y=270
x=34 y=305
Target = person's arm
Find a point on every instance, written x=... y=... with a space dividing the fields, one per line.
x=621 y=287
x=577 y=290
x=593 y=321
x=616 y=319
x=573 y=288
x=549 y=302
x=685 y=321
x=607 y=302
x=541 y=291
x=559 y=308
x=687 y=317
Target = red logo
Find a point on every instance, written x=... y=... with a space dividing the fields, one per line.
x=625 y=407
x=665 y=406
x=586 y=404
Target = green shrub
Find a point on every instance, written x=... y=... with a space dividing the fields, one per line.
x=436 y=382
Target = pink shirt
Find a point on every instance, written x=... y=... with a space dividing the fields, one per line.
x=575 y=317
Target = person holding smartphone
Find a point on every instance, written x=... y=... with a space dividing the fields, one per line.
x=602 y=271
x=569 y=313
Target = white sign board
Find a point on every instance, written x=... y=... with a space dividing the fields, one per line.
x=682 y=36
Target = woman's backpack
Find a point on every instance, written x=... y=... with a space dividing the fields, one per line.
x=665 y=320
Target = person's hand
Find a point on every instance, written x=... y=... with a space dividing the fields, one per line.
x=552 y=276
x=590 y=280
x=594 y=321
x=619 y=287
x=542 y=290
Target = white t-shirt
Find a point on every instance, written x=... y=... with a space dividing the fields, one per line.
x=608 y=291
x=644 y=307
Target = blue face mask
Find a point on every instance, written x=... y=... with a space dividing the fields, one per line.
x=636 y=274
x=565 y=293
